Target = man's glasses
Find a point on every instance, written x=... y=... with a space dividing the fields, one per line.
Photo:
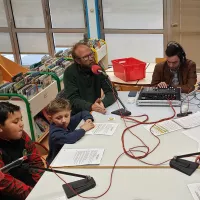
x=86 y=58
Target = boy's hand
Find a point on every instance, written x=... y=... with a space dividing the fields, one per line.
x=87 y=126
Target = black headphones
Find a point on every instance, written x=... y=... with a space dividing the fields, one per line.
x=181 y=53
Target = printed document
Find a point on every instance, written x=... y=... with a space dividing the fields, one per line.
x=164 y=127
x=103 y=129
x=75 y=157
x=189 y=121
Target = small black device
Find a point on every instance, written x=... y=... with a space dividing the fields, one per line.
x=184 y=166
x=79 y=186
x=184 y=114
x=132 y=93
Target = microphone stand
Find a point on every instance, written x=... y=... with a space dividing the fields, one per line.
x=181 y=114
x=184 y=166
x=123 y=111
x=79 y=186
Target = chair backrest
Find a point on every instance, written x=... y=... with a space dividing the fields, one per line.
x=43 y=150
x=159 y=60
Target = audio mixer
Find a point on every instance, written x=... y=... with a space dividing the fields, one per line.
x=154 y=96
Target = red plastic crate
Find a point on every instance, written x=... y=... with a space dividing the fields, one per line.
x=129 y=69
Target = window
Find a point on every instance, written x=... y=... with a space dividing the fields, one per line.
x=133 y=14
x=9 y=56
x=145 y=47
x=29 y=59
x=66 y=39
x=28 y=14
x=32 y=42
x=5 y=42
x=3 y=20
x=67 y=14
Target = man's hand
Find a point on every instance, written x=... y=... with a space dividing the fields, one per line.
x=162 y=85
x=88 y=120
x=98 y=106
x=87 y=126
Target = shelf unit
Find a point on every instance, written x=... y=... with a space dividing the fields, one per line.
x=31 y=107
x=101 y=55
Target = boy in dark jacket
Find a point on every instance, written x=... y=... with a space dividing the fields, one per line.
x=62 y=129
x=17 y=183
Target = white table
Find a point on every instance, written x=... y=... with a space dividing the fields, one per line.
x=131 y=180
x=172 y=144
x=128 y=184
x=146 y=80
x=150 y=67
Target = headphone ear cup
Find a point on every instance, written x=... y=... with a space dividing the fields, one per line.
x=180 y=56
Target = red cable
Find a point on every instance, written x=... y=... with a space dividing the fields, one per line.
x=131 y=151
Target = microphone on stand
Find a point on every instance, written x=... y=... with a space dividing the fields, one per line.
x=13 y=164
x=98 y=70
x=185 y=166
x=123 y=111
x=184 y=108
x=79 y=186
x=184 y=111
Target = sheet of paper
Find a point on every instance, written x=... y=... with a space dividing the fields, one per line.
x=189 y=121
x=103 y=129
x=75 y=157
x=195 y=190
x=163 y=127
x=193 y=133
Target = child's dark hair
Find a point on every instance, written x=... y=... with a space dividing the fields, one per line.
x=5 y=109
x=57 y=105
